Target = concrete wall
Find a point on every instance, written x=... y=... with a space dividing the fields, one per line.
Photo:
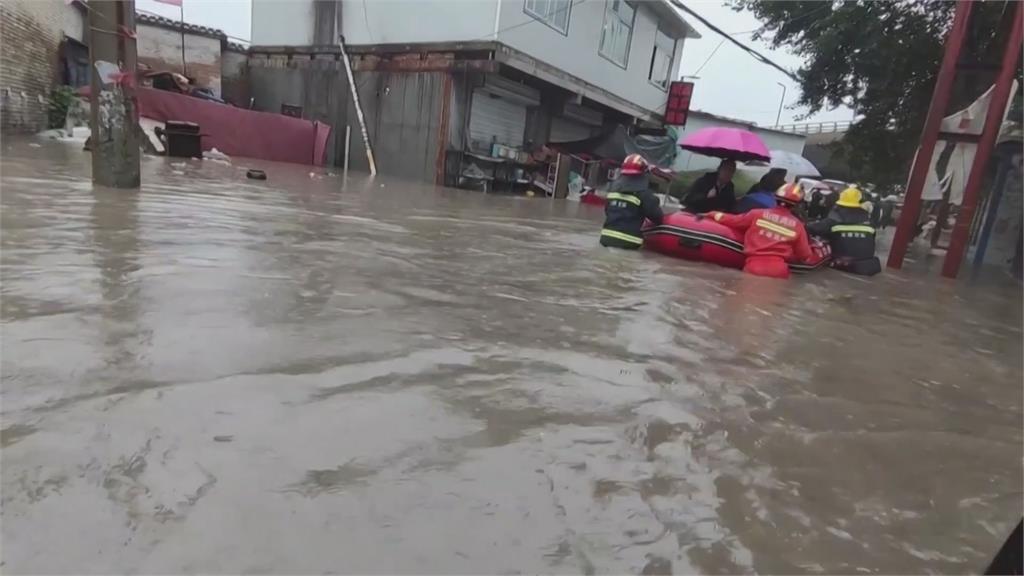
x=578 y=54
x=686 y=161
x=30 y=36
x=781 y=140
x=290 y=22
x=403 y=110
x=407 y=21
x=403 y=116
x=282 y=22
x=234 y=77
x=826 y=154
x=160 y=48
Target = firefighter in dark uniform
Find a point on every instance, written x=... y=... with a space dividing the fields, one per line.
x=849 y=232
x=628 y=204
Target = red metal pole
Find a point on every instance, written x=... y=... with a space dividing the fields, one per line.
x=993 y=121
x=930 y=134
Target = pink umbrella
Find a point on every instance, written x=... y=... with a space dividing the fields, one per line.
x=734 y=143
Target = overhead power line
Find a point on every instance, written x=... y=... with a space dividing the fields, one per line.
x=713 y=52
x=708 y=59
x=754 y=53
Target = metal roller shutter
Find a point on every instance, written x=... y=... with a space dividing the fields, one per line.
x=493 y=119
x=565 y=130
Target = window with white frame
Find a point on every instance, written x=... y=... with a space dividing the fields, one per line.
x=662 y=59
x=554 y=13
x=617 y=31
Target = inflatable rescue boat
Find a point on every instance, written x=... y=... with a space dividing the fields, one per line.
x=683 y=236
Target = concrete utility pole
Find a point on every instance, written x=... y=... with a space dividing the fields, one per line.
x=113 y=116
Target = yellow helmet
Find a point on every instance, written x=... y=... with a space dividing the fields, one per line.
x=849 y=198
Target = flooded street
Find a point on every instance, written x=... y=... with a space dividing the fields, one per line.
x=220 y=375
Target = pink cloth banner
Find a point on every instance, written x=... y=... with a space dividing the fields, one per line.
x=240 y=132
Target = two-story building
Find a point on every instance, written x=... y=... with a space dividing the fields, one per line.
x=440 y=78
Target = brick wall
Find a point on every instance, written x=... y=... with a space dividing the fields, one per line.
x=30 y=36
x=160 y=49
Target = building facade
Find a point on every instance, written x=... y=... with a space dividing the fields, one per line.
x=628 y=50
x=33 y=34
x=45 y=43
x=445 y=78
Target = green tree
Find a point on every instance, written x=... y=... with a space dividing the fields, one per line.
x=880 y=58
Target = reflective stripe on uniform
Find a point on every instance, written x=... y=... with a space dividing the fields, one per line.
x=775 y=228
x=853 y=228
x=624 y=197
x=622 y=236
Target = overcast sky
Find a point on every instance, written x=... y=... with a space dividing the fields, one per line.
x=731 y=84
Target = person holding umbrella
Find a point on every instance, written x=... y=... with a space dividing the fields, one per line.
x=629 y=202
x=713 y=191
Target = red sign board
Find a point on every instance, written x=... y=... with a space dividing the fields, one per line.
x=678 y=107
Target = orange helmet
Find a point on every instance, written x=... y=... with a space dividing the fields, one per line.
x=790 y=194
x=634 y=164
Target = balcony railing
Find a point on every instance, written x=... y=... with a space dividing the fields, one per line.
x=815 y=127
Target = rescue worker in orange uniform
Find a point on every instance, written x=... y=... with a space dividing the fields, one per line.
x=771 y=235
x=628 y=203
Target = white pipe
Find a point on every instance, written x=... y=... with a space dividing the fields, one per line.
x=359 y=109
x=348 y=145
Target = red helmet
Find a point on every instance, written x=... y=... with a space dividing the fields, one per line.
x=790 y=194
x=634 y=164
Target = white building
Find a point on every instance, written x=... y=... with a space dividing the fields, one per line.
x=598 y=48
x=524 y=72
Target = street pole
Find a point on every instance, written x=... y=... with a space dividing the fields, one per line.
x=184 y=67
x=993 y=121
x=359 y=109
x=930 y=134
x=781 y=102
x=113 y=116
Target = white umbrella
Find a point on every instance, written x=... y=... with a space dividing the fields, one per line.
x=796 y=165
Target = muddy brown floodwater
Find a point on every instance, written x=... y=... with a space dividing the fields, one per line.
x=306 y=376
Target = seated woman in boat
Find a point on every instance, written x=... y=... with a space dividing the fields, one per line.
x=762 y=194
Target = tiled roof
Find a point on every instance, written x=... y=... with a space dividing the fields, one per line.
x=154 y=20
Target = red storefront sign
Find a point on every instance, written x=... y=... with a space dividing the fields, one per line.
x=678 y=107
